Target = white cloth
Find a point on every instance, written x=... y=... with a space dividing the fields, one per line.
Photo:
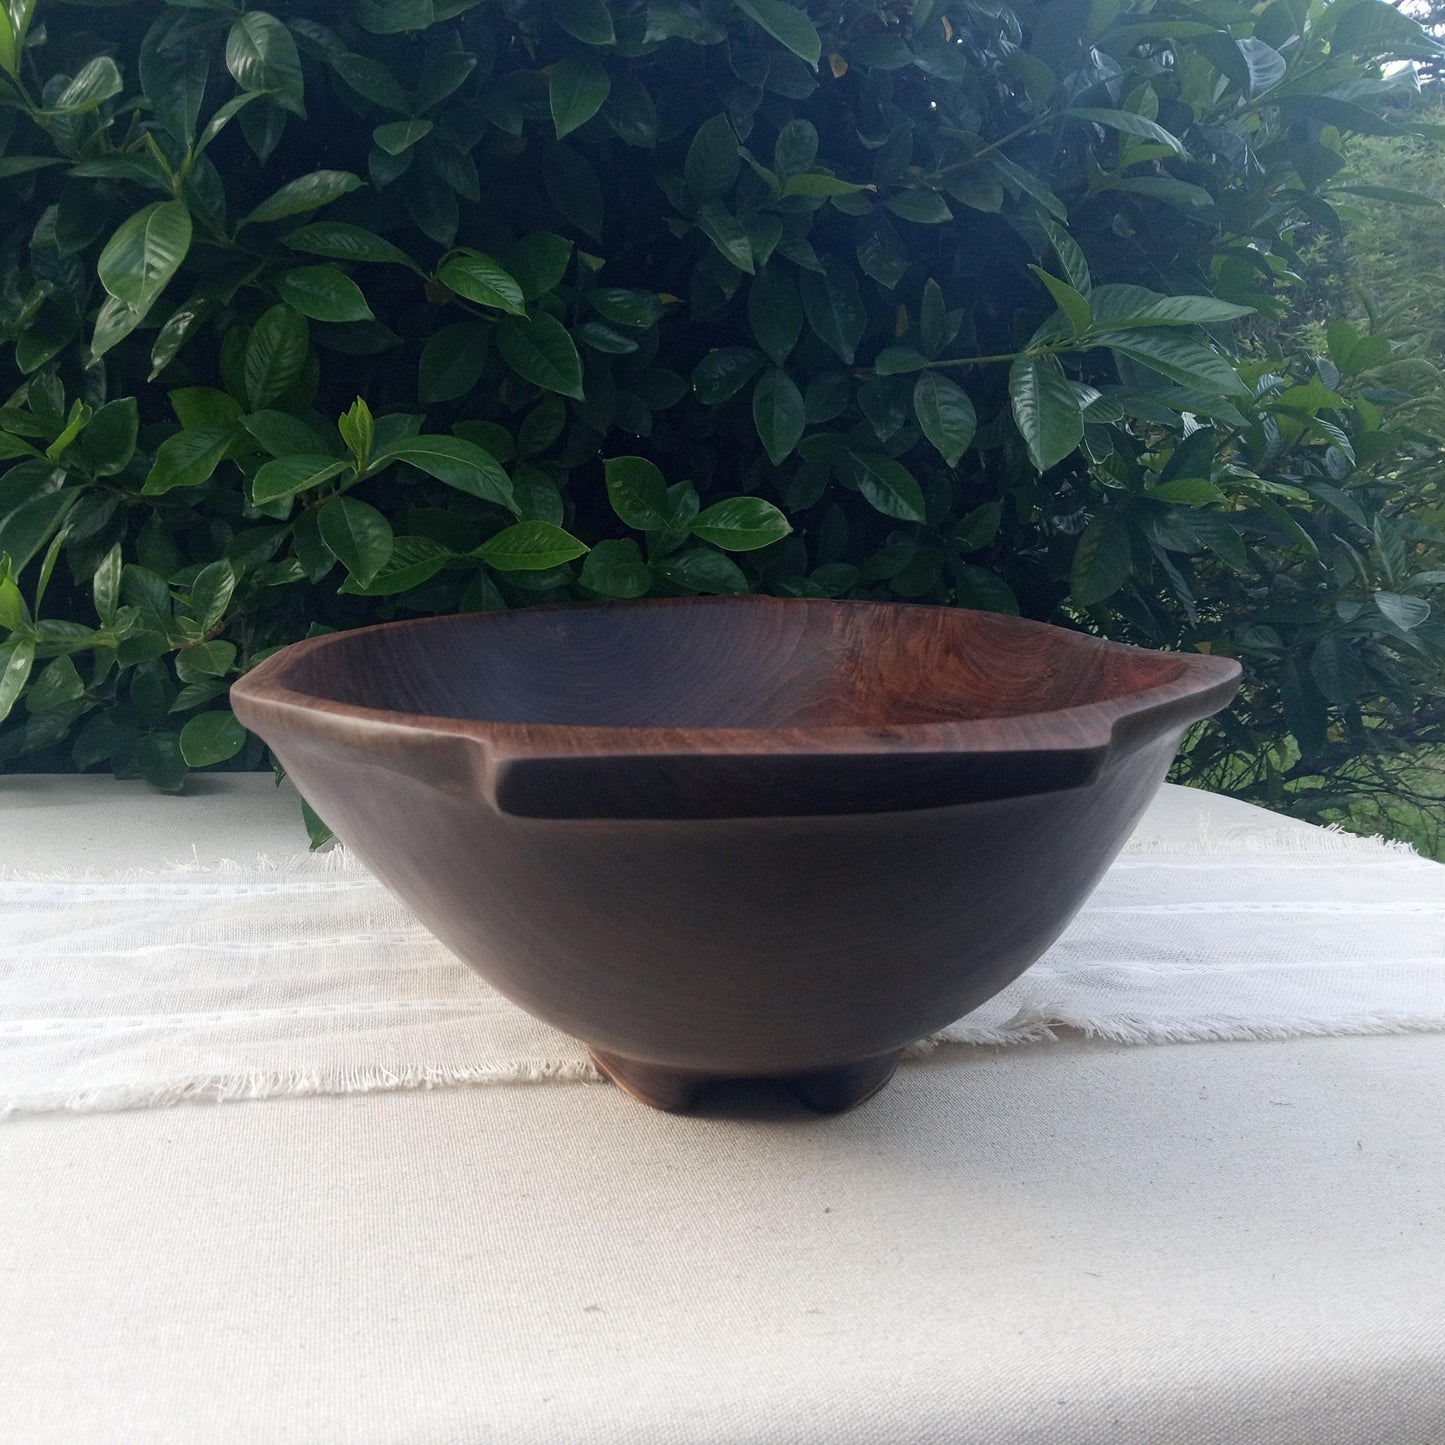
x=1077 y=1244
x=247 y=981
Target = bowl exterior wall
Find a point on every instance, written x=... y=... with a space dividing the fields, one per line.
x=731 y=945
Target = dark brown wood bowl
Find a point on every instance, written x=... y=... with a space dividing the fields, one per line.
x=734 y=837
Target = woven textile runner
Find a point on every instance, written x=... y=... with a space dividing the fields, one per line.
x=306 y=976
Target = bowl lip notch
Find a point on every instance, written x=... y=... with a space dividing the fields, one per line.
x=1202 y=684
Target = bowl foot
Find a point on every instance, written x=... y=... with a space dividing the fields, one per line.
x=829 y=1091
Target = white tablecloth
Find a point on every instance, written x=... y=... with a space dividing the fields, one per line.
x=1241 y=1243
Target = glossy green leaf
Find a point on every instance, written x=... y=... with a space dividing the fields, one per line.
x=452 y=361
x=175 y=65
x=205 y=660
x=1379 y=30
x=740 y=524
x=1071 y=258
x=898 y=361
x=1117 y=307
x=795 y=149
x=107 y=444
x=1407 y=613
x=1072 y=304
x=539 y=349
x=397 y=136
x=1264 y=66
x=1128 y=123
x=396 y=17
x=1392 y=194
x=721 y=374
x=197 y=406
x=1188 y=491
x=179 y=327
x=323 y=293
x=13 y=447
x=357 y=426
x=616 y=569
x=17 y=657
x=637 y=491
x=479 y=278
x=727 y=233
x=713 y=160
x=530 y=547
x=158 y=758
x=307 y=193
x=886 y=484
x=576 y=90
x=444 y=75
x=285 y=476
x=262 y=56
x=834 y=308
x=1045 y=409
x=94 y=83
x=626 y=307
x=589 y=21
x=925 y=208
x=700 y=569
x=23 y=165
x=280 y=433
x=788 y=24
x=345 y=242
x=211 y=737
x=356 y=534
x=882 y=254
x=945 y=415
x=105 y=585
x=189 y=458
x=775 y=312
x=371 y=79
x=459 y=463
x=544 y=424
x=211 y=594
x=1187 y=362
x=631 y=112
x=1337 y=671
x=1102 y=561
x=413 y=561
x=778 y=413
x=978 y=527
x=538 y=262
x=57 y=684
x=144 y=253
x=30 y=525
x=573 y=187
x=275 y=355
x=113 y=323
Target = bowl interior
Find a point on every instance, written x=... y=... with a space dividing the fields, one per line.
x=751 y=662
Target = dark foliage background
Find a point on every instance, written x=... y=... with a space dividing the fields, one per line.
x=331 y=313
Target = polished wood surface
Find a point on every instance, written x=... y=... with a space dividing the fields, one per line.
x=734 y=836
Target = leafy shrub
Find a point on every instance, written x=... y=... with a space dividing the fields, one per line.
x=346 y=312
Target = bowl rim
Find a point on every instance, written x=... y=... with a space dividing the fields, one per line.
x=1203 y=684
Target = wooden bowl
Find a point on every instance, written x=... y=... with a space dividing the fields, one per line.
x=742 y=836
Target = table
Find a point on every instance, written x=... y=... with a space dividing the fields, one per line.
x=1071 y=1243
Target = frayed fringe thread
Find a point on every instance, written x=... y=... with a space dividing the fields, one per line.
x=1330 y=840
x=298 y=1083
x=332 y=862
x=1028 y=1026
x=1038 y=1025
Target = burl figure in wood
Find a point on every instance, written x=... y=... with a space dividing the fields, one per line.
x=734 y=837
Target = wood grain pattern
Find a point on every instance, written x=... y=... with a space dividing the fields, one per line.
x=734 y=836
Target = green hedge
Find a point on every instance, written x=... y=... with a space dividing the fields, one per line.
x=341 y=312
